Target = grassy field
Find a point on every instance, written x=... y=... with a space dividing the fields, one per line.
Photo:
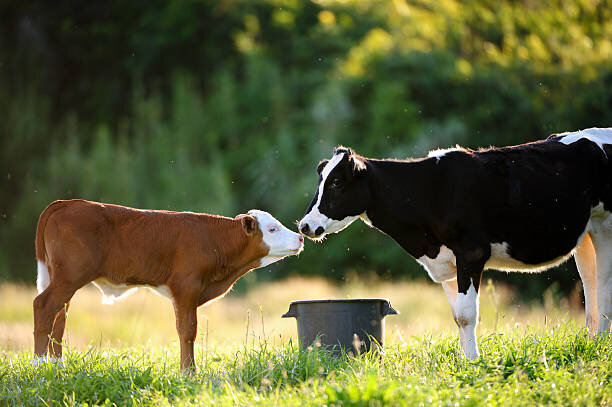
x=127 y=354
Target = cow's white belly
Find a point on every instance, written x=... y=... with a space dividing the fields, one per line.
x=115 y=292
x=444 y=266
x=501 y=260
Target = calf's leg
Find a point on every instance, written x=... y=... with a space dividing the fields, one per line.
x=185 y=310
x=586 y=264
x=57 y=332
x=46 y=306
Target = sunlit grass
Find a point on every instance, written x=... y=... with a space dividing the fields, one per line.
x=146 y=318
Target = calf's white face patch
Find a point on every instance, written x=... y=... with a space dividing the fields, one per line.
x=281 y=241
x=317 y=221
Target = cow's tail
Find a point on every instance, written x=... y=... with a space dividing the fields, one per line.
x=44 y=279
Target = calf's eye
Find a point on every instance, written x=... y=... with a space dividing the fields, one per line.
x=272 y=229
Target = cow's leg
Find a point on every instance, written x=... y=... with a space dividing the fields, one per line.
x=466 y=308
x=57 y=333
x=185 y=309
x=46 y=306
x=602 y=241
x=587 y=268
x=451 y=291
x=469 y=271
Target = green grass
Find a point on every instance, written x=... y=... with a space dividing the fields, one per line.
x=533 y=353
x=520 y=366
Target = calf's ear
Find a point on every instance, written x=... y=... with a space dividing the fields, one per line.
x=249 y=224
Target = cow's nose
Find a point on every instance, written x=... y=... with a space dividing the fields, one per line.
x=301 y=238
x=319 y=231
x=305 y=229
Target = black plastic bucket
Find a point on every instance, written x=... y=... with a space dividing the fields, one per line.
x=351 y=324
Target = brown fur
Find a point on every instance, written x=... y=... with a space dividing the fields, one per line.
x=197 y=256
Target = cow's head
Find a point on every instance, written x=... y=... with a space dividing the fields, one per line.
x=341 y=197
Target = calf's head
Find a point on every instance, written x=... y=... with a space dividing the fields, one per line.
x=341 y=196
x=280 y=241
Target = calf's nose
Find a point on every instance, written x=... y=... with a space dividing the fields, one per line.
x=319 y=231
x=301 y=238
x=305 y=229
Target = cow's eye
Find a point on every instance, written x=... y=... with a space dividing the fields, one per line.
x=272 y=229
x=336 y=184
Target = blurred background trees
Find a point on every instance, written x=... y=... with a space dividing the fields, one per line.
x=224 y=106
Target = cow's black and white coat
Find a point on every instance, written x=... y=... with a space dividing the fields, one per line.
x=458 y=212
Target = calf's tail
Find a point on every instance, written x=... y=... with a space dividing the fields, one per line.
x=44 y=279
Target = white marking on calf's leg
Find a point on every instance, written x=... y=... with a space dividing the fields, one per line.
x=466 y=311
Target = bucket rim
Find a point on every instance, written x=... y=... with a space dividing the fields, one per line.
x=340 y=300
x=386 y=308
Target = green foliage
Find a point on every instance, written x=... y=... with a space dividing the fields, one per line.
x=523 y=367
x=224 y=107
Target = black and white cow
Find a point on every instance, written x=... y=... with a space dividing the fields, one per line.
x=458 y=212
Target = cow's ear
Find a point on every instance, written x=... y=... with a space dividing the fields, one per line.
x=343 y=150
x=249 y=224
x=321 y=165
x=359 y=167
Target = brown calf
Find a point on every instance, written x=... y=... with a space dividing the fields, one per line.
x=190 y=257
